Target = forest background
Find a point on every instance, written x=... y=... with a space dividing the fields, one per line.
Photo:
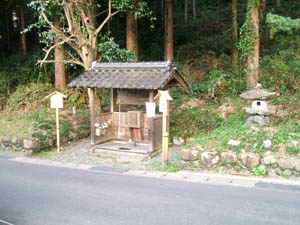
x=221 y=47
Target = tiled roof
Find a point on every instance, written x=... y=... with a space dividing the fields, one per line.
x=135 y=75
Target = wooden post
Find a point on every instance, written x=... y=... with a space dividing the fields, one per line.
x=112 y=102
x=151 y=96
x=57 y=130
x=164 y=98
x=165 y=144
x=92 y=114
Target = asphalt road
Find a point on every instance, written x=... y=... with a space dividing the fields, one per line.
x=43 y=195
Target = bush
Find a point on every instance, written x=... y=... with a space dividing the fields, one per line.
x=193 y=121
x=18 y=70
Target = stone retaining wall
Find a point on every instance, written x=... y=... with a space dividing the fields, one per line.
x=29 y=145
x=244 y=163
x=17 y=144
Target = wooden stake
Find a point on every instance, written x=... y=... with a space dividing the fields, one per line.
x=92 y=114
x=112 y=101
x=165 y=144
x=57 y=130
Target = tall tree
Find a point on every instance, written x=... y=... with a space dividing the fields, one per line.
x=263 y=9
x=59 y=58
x=22 y=28
x=132 y=33
x=8 y=25
x=253 y=43
x=186 y=6
x=194 y=9
x=60 y=71
x=169 y=36
x=79 y=27
x=278 y=3
x=235 y=52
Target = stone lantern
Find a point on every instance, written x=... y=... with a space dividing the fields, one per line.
x=259 y=111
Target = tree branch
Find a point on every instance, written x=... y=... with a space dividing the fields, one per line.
x=64 y=61
x=106 y=19
x=53 y=47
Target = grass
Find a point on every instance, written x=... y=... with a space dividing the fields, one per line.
x=15 y=125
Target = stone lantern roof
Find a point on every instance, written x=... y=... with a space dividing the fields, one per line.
x=258 y=94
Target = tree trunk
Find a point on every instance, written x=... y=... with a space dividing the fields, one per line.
x=162 y=13
x=169 y=52
x=235 y=52
x=23 y=35
x=154 y=8
x=253 y=58
x=36 y=37
x=278 y=3
x=131 y=34
x=8 y=26
x=186 y=10
x=59 y=65
x=263 y=9
x=60 y=70
x=194 y=9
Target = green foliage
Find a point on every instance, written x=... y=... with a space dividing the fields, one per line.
x=248 y=35
x=287 y=132
x=193 y=121
x=219 y=84
x=231 y=128
x=277 y=23
x=18 y=70
x=293 y=150
x=258 y=171
x=280 y=71
x=170 y=167
x=109 y=51
x=29 y=96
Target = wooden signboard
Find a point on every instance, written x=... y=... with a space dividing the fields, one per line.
x=164 y=97
x=56 y=102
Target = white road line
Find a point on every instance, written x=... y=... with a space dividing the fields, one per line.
x=2 y=221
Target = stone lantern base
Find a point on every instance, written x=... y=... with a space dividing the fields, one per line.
x=259 y=119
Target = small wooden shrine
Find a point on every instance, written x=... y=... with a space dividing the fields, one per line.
x=133 y=83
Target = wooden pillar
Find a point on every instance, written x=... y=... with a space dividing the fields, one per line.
x=112 y=100
x=168 y=121
x=165 y=141
x=151 y=96
x=92 y=114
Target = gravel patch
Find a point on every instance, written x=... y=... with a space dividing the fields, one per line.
x=79 y=153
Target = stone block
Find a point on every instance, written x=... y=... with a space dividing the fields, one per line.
x=250 y=159
x=271 y=172
x=6 y=141
x=210 y=159
x=261 y=120
x=229 y=156
x=297 y=165
x=278 y=171
x=16 y=141
x=178 y=141
x=267 y=144
x=31 y=144
x=286 y=163
x=234 y=142
x=268 y=159
x=188 y=154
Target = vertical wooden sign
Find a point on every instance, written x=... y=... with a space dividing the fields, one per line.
x=56 y=102
x=164 y=97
